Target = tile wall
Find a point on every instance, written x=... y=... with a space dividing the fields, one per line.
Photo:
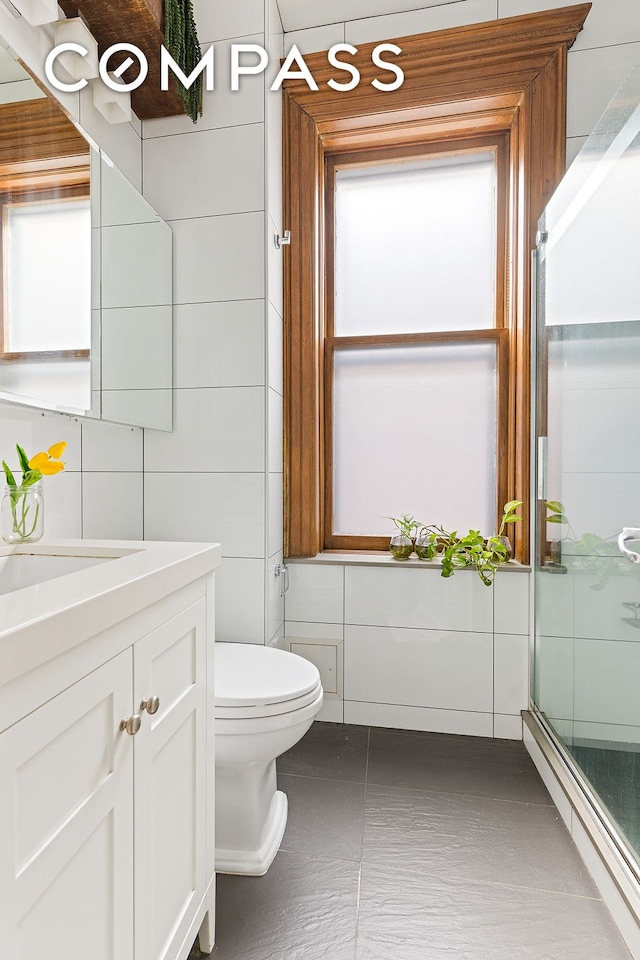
x=401 y=647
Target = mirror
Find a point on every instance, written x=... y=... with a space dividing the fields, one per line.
x=85 y=271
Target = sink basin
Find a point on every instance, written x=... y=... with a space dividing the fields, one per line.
x=21 y=570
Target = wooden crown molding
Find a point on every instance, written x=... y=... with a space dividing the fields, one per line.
x=139 y=22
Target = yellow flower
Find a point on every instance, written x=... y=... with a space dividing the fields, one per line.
x=57 y=449
x=49 y=463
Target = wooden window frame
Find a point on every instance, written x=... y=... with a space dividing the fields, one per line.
x=504 y=77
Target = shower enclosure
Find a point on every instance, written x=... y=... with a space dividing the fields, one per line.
x=586 y=677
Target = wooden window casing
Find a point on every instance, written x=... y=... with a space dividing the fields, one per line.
x=501 y=80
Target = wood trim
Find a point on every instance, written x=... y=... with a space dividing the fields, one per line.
x=499 y=76
x=133 y=21
x=37 y=131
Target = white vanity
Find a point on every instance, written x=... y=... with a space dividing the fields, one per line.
x=106 y=750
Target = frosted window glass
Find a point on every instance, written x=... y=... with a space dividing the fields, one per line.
x=415 y=246
x=48 y=276
x=415 y=431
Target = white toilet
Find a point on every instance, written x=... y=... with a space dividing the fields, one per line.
x=265 y=701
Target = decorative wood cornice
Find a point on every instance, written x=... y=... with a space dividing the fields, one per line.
x=38 y=130
x=132 y=21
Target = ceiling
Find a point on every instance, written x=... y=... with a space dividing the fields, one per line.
x=299 y=14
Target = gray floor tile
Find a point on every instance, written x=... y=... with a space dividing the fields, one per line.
x=472 y=838
x=469 y=765
x=404 y=916
x=337 y=751
x=325 y=816
x=304 y=908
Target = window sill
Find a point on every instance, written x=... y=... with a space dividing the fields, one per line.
x=378 y=559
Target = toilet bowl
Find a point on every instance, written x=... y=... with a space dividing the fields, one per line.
x=265 y=701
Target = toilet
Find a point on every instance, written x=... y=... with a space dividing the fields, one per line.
x=265 y=701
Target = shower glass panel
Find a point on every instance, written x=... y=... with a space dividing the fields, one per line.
x=587 y=608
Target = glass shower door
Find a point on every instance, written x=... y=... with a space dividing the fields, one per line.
x=586 y=681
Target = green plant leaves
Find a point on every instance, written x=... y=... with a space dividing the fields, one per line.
x=11 y=482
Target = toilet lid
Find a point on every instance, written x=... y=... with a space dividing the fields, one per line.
x=250 y=675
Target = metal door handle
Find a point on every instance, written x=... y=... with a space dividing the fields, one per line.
x=629 y=533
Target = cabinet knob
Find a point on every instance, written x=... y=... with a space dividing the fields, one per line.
x=151 y=705
x=131 y=724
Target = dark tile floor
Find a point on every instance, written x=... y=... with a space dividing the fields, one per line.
x=415 y=846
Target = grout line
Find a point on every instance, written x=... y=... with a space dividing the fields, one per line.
x=305 y=776
x=469 y=796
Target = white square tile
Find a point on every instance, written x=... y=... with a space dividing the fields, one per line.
x=275 y=596
x=218 y=21
x=222 y=106
x=207 y=173
x=553 y=681
x=316 y=593
x=275 y=432
x=511 y=602
x=554 y=603
x=510 y=673
x=217 y=430
x=411 y=597
x=300 y=14
x=140 y=408
x=112 y=506
x=63 y=506
x=315 y=38
x=608 y=22
x=225 y=508
x=137 y=348
x=219 y=258
x=419 y=718
x=421 y=668
x=606 y=682
x=593 y=78
x=331 y=711
x=108 y=447
x=240 y=601
x=507 y=727
x=275 y=268
x=129 y=279
x=440 y=17
x=120 y=141
x=274 y=170
x=219 y=344
x=35 y=431
x=275 y=349
x=574 y=146
x=275 y=531
x=332 y=632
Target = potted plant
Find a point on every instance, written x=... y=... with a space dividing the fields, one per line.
x=485 y=554
x=401 y=544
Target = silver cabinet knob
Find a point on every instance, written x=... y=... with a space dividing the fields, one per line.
x=151 y=705
x=131 y=724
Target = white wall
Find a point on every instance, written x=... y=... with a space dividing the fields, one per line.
x=222 y=199
x=405 y=648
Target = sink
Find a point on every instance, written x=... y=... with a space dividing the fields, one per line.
x=21 y=570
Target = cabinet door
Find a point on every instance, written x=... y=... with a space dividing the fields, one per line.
x=170 y=817
x=66 y=824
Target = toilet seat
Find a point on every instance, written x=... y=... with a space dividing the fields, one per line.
x=253 y=681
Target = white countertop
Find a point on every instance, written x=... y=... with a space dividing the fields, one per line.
x=40 y=622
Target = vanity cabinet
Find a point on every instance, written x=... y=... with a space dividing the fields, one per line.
x=106 y=833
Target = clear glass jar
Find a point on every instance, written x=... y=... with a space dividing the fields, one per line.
x=401 y=546
x=22 y=514
x=426 y=544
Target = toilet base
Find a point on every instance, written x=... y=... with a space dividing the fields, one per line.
x=255 y=863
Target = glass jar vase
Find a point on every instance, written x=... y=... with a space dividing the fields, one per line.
x=401 y=546
x=22 y=514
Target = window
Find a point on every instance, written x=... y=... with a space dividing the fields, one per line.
x=48 y=238
x=415 y=369
x=478 y=125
